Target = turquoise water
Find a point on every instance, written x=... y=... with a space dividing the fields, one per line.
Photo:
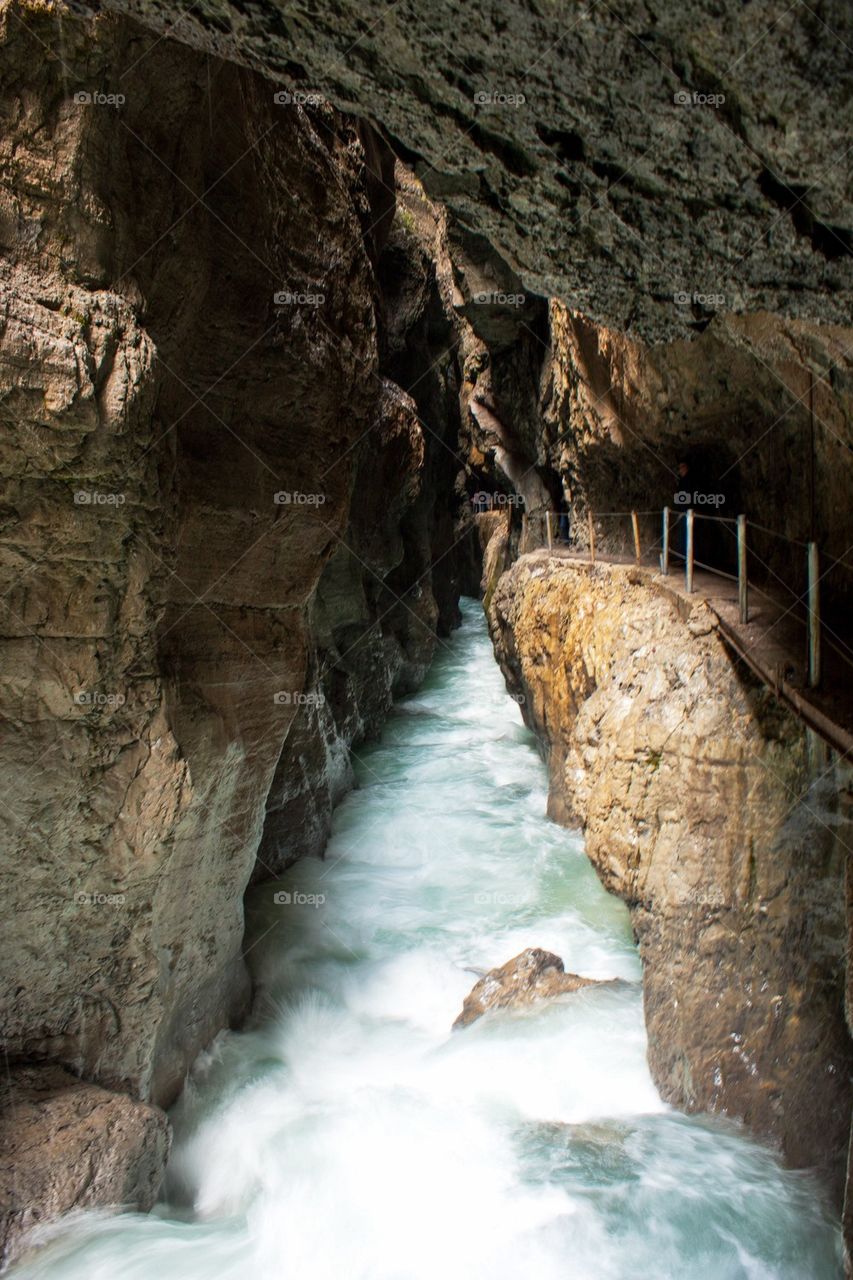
x=349 y=1135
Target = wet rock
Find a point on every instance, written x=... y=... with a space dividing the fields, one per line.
x=70 y=1145
x=707 y=810
x=529 y=977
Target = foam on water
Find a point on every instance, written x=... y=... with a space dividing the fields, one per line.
x=348 y=1133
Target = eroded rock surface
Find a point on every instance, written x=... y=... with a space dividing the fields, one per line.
x=708 y=810
x=211 y=490
x=614 y=155
x=70 y=1145
x=529 y=977
x=760 y=406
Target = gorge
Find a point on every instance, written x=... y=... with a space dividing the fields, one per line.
x=310 y=318
x=505 y=1148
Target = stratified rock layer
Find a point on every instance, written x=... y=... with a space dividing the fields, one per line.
x=209 y=486
x=706 y=808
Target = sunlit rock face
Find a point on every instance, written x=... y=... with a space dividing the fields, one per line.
x=158 y=399
x=648 y=163
x=208 y=483
x=708 y=810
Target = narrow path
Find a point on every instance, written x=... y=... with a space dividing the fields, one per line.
x=772 y=643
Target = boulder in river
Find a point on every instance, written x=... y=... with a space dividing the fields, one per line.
x=68 y=1144
x=531 y=976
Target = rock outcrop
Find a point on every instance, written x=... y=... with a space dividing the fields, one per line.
x=722 y=825
x=69 y=1145
x=761 y=408
x=227 y=540
x=621 y=156
x=528 y=978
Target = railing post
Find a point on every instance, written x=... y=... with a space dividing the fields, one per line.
x=664 y=558
x=742 y=582
x=548 y=530
x=814 y=618
x=688 y=560
x=636 y=527
x=591 y=535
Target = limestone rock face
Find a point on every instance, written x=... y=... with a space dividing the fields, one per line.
x=529 y=977
x=708 y=811
x=394 y=582
x=229 y=536
x=615 y=156
x=154 y=589
x=205 y=475
x=358 y=659
x=761 y=407
x=102 y=1148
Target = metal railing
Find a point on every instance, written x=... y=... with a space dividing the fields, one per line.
x=552 y=534
x=741 y=528
x=813 y=619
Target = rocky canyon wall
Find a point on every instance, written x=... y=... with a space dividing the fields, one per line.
x=229 y=538
x=724 y=827
x=759 y=406
x=613 y=156
x=251 y=374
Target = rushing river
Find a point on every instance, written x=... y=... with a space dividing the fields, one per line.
x=348 y=1135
